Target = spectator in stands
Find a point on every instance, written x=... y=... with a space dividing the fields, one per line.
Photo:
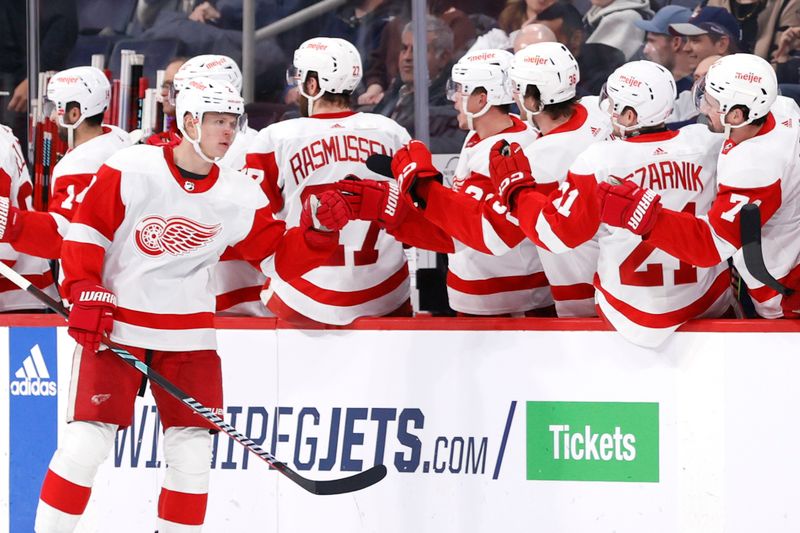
x=702 y=67
x=761 y=22
x=516 y=15
x=787 y=62
x=612 y=23
x=383 y=65
x=596 y=61
x=668 y=51
x=398 y=102
x=711 y=31
x=205 y=29
x=58 y=30
x=532 y=34
x=170 y=135
x=361 y=22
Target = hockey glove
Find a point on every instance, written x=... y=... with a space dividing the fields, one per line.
x=8 y=220
x=323 y=216
x=510 y=171
x=628 y=206
x=92 y=314
x=374 y=200
x=412 y=165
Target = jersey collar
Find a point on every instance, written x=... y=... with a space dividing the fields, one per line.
x=188 y=185
x=579 y=116
x=653 y=137
x=767 y=127
x=339 y=114
x=516 y=126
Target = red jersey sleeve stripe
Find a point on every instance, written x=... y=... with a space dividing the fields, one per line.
x=480 y=287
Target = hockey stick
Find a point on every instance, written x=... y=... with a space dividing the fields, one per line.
x=750 y=233
x=353 y=483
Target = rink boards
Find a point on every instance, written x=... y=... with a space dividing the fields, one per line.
x=518 y=430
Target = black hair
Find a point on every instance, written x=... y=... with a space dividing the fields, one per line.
x=566 y=11
x=505 y=108
x=343 y=99
x=746 y=112
x=94 y=120
x=555 y=111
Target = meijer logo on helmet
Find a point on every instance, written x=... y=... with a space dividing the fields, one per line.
x=481 y=57
x=748 y=76
x=318 y=46
x=630 y=80
x=536 y=60
x=215 y=63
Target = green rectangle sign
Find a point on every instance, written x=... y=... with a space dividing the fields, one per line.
x=592 y=441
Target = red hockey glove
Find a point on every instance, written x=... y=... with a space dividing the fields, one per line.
x=412 y=165
x=323 y=216
x=628 y=206
x=374 y=200
x=509 y=170
x=92 y=314
x=8 y=220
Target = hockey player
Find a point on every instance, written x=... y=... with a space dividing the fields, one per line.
x=15 y=198
x=544 y=76
x=77 y=98
x=137 y=261
x=368 y=275
x=645 y=293
x=757 y=164
x=238 y=284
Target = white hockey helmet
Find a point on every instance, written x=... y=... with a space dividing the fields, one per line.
x=88 y=86
x=336 y=62
x=486 y=69
x=646 y=87
x=551 y=68
x=204 y=95
x=215 y=67
x=740 y=79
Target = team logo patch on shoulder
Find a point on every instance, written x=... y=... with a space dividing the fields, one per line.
x=155 y=235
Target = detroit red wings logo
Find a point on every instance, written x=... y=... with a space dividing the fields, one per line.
x=155 y=235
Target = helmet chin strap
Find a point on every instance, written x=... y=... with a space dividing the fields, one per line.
x=311 y=99
x=472 y=116
x=70 y=130
x=529 y=113
x=196 y=142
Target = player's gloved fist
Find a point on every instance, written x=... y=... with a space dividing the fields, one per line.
x=412 y=165
x=628 y=206
x=509 y=170
x=328 y=212
x=92 y=314
x=8 y=220
x=374 y=200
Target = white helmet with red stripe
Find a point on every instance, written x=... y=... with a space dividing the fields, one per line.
x=86 y=86
x=551 y=68
x=742 y=79
x=216 y=67
x=485 y=69
x=336 y=62
x=204 y=95
x=646 y=87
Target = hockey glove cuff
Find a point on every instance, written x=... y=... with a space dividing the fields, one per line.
x=412 y=165
x=372 y=200
x=9 y=219
x=510 y=171
x=628 y=206
x=92 y=314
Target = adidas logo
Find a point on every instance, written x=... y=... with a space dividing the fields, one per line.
x=787 y=123
x=659 y=151
x=595 y=131
x=33 y=378
x=337 y=125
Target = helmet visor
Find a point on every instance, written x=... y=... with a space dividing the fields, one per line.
x=453 y=89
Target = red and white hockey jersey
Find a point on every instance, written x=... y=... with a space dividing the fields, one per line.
x=153 y=238
x=368 y=275
x=487 y=275
x=570 y=271
x=763 y=170
x=238 y=284
x=644 y=292
x=72 y=176
x=15 y=184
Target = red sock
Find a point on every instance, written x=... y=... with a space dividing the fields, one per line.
x=182 y=507
x=65 y=495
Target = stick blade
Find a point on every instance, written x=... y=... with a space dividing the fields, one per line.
x=354 y=483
